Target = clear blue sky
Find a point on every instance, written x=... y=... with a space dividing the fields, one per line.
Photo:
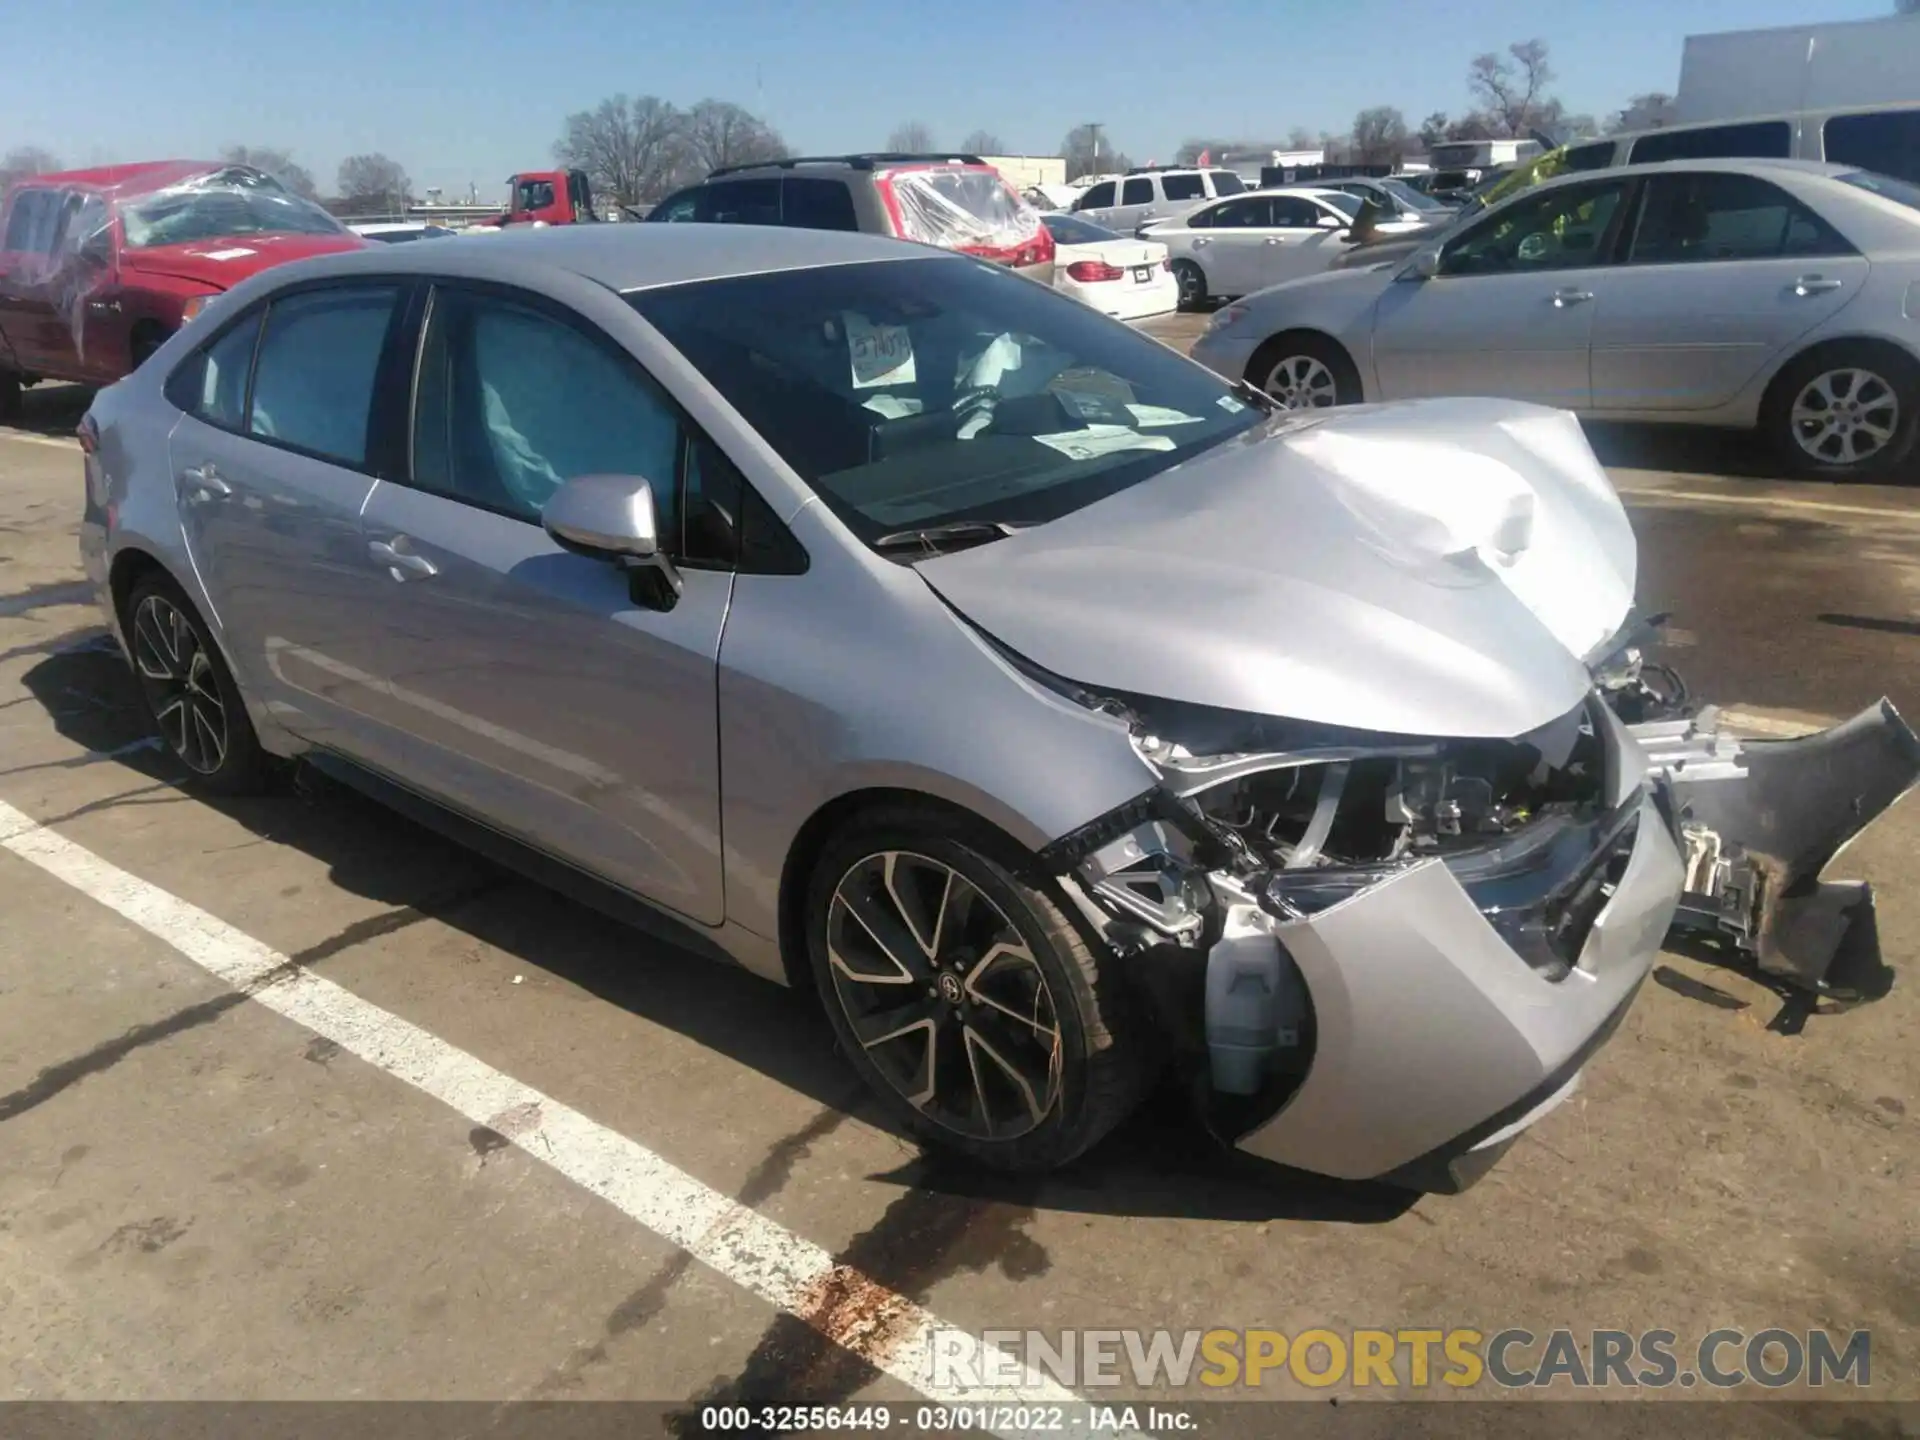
x=470 y=90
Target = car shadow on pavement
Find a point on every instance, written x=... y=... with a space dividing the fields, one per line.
x=53 y=410
x=1158 y=1164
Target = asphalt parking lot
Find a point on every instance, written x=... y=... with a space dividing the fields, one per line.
x=209 y=1196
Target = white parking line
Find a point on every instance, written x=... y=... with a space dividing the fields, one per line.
x=885 y=1329
x=1765 y=502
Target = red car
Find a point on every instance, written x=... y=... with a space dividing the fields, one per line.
x=99 y=267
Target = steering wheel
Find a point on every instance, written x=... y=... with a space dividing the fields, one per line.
x=1534 y=247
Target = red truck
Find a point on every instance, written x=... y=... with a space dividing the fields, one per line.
x=546 y=197
x=99 y=267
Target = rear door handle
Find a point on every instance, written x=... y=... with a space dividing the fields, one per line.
x=203 y=482
x=1815 y=285
x=400 y=563
x=1564 y=298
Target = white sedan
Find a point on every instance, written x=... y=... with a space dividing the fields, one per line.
x=1247 y=242
x=1127 y=279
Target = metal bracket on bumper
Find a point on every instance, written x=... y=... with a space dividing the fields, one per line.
x=1758 y=820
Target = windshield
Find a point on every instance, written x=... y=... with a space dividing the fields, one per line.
x=1410 y=197
x=1069 y=230
x=218 y=209
x=1901 y=192
x=921 y=392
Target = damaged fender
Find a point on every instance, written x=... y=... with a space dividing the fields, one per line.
x=1759 y=820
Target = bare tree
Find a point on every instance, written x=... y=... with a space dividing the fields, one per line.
x=632 y=150
x=1433 y=129
x=1300 y=138
x=369 y=182
x=983 y=142
x=277 y=163
x=913 y=138
x=25 y=160
x=1644 y=112
x=1474 y=125
x=1512 y=86
x=719 y=132
x=1379 y=134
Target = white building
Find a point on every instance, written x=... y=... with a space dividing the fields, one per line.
x=1799 y=67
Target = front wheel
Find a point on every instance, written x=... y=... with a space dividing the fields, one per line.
x=981 y=1018
x=1849 y=411
x=1304 y=371
x=189 y=692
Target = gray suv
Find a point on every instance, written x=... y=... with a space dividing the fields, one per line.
x=958 y=202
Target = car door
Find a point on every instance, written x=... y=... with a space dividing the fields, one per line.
x=1137 y=197
x=1722 y=273
x=1230 y=242
x=1097 y=203
x=1510 y=307
x=1302 y=238
x=540 y=690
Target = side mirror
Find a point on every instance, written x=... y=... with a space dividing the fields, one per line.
x=1329 y=222
x=611 y=517
x=1424 y=265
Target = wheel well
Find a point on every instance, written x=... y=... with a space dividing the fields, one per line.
x=821 y=827
x=1297 y=334
x=1903 y=358
x=129 y=568
x=143 y=332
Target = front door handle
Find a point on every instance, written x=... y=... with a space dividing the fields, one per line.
x=400 y=563
x=203 y=482
x=1564 y=298
x=1815 y=285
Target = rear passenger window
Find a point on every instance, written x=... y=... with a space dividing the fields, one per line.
x=212 y=385
x=1689 y=218
x=1183 y=187
x=1757 y=139
x=742 y=202
x=1295 y=212
x=1137 y=192
x=313 y=381
x=813 y=204
x=1225 y=182
x=1886 y=142
x=1097 y=196
x=1588 y=157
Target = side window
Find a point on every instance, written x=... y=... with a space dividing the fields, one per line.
x=683 y=206
x=1565 y=228
x=313 y=380
x=1225 y=182
x=1097 y=196
x=1597 y=156
x=1295 y=212
x=212 y=384
x=513 y=401
x=1183 y=187
x=533 y=195
x=742 y=202
x=1886 y=142
x=1756 y=139
x=34 y=220
x=814 y=204
x=1137 y=192
x=1252 y=210
x=1695 y=217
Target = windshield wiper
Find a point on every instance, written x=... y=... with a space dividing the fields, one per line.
x=1247 y=390
x=954 y=535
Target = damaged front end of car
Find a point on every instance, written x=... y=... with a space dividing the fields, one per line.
x=1758 y=820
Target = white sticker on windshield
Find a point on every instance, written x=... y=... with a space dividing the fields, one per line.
x=893 y=407
x=1098 y=440
x=882 y=354
x=234 y=254
x=1151 y=415
x=1230 y=405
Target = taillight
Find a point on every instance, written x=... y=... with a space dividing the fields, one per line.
x=89 y=434
x=1086 y=271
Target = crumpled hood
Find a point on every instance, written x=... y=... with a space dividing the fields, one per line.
x=1432 y=567
x=223 y=264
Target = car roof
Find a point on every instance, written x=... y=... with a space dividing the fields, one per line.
x=107 y=177
x=631 y=255
x=1734 y=164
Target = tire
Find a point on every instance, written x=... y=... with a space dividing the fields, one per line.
x=189 y=692
x=12 y=399
x=1304 y=370
x=1193 y=284
x=1848 y=411
x=1014 y=1043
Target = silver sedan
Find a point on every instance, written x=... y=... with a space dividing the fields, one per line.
x=896 y=628
x=1777 y=294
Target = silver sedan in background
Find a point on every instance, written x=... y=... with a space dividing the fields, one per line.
x=894 y=627
x=1777 y=294
x=1249 y=242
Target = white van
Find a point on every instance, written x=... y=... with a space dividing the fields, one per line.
x=1881 y=138
x=1124 y=204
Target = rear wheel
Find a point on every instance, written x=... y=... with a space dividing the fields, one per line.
x=1193 y=284
x=1301 y=370
x=965 y=997
x=189 y=692
x=12 y=404
x=1847 y=411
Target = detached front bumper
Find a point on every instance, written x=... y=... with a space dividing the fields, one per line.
x=1435 y=1042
